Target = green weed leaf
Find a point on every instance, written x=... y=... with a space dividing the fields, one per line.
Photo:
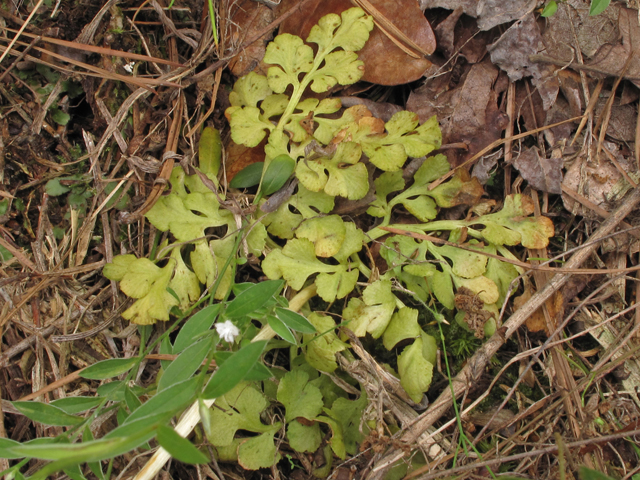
x=303 y=438
x=210 y=152
x=248 y=177
x=185 y=364
x=550 y=9
x=284 y=221
x=292 y=56
x=295 y=263
x=295 y=321
x=46 y=414
x=404 y=138
x=239 y=409
x=253 y=298
x=180 y=448
x=54 y=188
x=277 y=174
x=340 y=175
x=195 y=326
x=513 y=225
x=281 y=329
x=337 y=437
x=321 y=348
x=415 y=371
x=259 y=452
x=73 y=405
x=373 y=313
x=598 y=6
x=234 y=370
x=109 y=368
x=299 y=397
x=403 y=325
x=589 y=474
x=170 y=401
x=348 y=413
x=327 y=234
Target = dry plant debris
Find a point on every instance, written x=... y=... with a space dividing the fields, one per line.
x=470 y=313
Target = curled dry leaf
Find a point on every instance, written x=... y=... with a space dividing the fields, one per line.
x=544 y=174
x=468 y=114
x=511 y=53
x=601 y=182
x=618 y=38
x=385 y=63
x=489 y=13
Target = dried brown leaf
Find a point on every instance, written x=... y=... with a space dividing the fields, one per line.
x=247 y=19
x=543 y=174
x=511 y=53
x=385 y=62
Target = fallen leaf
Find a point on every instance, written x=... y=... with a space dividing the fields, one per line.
x=385 y=63
x=468 y=113
x=617 y=38
x=239 y=157
x=511 y=53
x=247 y=19
x=601 y=181
x=489 y=13
x=536 y=321
x=543 y=174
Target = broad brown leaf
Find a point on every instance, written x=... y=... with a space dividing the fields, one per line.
x=544 y=174
x=385 y=63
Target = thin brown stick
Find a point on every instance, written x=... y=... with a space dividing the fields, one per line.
x=533 y=453
x=100 y=50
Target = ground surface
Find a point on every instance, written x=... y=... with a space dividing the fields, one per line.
x=545 y=107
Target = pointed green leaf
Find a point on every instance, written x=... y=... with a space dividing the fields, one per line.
x=253 y=298
x=294 y=320
x=185 y=364
x=248 y=177
x=195 y=326
x=109 y=368
x=277 y=174
x=180 y=448
x=234 y=370
x=281 y=329
x=73 y=405
x=47 y=414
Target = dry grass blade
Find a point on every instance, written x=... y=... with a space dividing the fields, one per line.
x=100 y=50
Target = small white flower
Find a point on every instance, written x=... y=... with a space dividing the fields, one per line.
x=227 y=331
x=129 y=67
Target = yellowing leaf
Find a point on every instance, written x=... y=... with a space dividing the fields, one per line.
x=284 y=221
x=299 y=397
x=321 y=348
x=389 y=152
x=326 y=233
x=374 y=313
x=403 y=325
x=239 y=409
x=415 y=371
x=293 y=57
x=512 y=224
x=346 y=177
